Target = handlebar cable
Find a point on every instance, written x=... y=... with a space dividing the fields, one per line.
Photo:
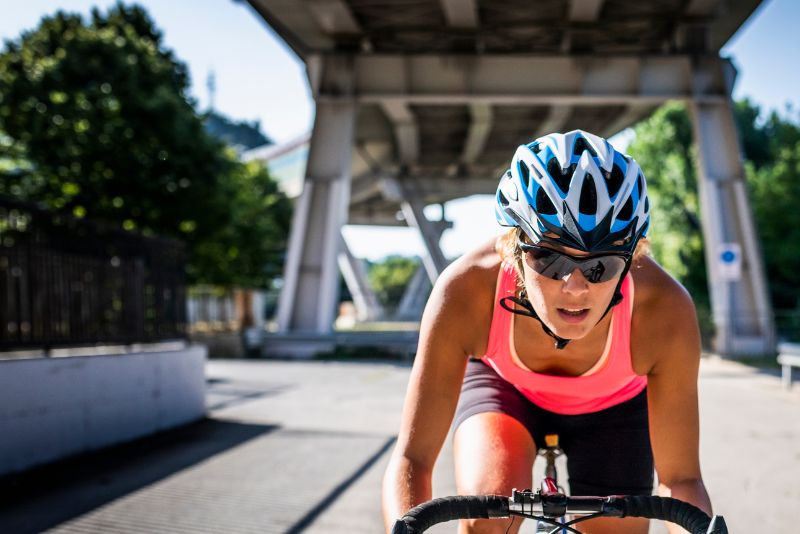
x=562 y=526
x=578 y=520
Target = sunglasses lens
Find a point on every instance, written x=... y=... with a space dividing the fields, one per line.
x=556 y=266
x=546 y=262
x=602 y=269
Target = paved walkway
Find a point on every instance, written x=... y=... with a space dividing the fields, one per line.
x=301 y=447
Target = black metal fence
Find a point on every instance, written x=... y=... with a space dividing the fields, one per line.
x=66 y=281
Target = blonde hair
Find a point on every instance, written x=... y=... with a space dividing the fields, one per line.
x=508 y=247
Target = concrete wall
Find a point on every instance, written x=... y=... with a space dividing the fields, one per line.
x=51 y=408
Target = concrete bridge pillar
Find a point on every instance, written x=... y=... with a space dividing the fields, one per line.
x=311 y=272
x=430 y=232
x=737 y=283
x=416 y=294
x=368 y=308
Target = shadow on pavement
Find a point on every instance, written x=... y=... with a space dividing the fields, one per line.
x=39 y=499
x=305 y=521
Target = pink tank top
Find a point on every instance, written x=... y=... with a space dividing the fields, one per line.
x=609 y=382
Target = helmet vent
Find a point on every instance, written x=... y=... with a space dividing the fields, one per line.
x=581 y=145
x=502 y=198
x=646 y=204
x=626 y=212
x=561 y=177
x=639 y=185
x=588 y=201
x=544 y=205
x=536 y=148
x=614 y=180
x=525 y=173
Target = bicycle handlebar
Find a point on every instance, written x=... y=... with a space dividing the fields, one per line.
x=529 y=504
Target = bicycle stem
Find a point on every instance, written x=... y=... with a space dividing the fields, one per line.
x=551 y=503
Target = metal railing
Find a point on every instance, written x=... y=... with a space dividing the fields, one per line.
x=66 y=281
x=751 y=335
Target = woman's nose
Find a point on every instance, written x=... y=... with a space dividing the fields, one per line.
x=575 y=283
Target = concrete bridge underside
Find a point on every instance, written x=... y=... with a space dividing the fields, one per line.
x=423 y=101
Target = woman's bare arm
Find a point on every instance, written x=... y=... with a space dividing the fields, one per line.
x=668 y=336
x=451 y=324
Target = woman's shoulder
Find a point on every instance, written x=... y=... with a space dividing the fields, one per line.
x=655 y=289
x=462 y=301
x=663 y=315
x=474 y=272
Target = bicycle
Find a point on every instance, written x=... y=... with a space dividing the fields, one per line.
x=552 y=509
x=550 y=452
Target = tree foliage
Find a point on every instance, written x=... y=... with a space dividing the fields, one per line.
x=663 y=147
x=94 y=119
x=390 y=278
x=775 y=192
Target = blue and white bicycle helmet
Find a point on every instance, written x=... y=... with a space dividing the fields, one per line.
x=574 y=190
x=577 y=191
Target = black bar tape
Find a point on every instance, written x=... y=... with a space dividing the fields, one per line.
x=681 y=513
x=422 y=517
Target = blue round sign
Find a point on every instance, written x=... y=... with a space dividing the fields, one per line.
x=728 y=256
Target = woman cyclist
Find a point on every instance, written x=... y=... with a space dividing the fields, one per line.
x=543 y=332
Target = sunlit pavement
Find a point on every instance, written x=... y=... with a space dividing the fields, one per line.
x=301 y=447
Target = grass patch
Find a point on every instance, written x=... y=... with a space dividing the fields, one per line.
x=761 y=362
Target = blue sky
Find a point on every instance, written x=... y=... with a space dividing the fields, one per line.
x=259 y=78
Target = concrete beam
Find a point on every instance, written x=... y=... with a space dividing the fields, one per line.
x=415 y=296
x=519 y=80
x=578 y=37
x=478 y=133
x=460 y=13
x=434 y=260
x=334 y=17
x=701 y=8
x=584 y=10
x=406 y=130
x=556 y=118
x=355 y=276
x=294 y=23
x=633 y=114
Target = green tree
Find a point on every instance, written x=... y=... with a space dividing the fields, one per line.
x=775 y=192
x=390 y=278
x=94 y=119
x=772 y=149
x=663 y=147
x=249 y=250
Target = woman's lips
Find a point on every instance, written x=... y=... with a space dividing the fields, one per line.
x=573 y=315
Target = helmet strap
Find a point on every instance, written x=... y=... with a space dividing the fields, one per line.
x=617 y=298
x=528 y=310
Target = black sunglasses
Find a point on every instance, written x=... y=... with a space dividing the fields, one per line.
x=556 y=265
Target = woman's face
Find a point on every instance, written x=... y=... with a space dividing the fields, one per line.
x=572 y=306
